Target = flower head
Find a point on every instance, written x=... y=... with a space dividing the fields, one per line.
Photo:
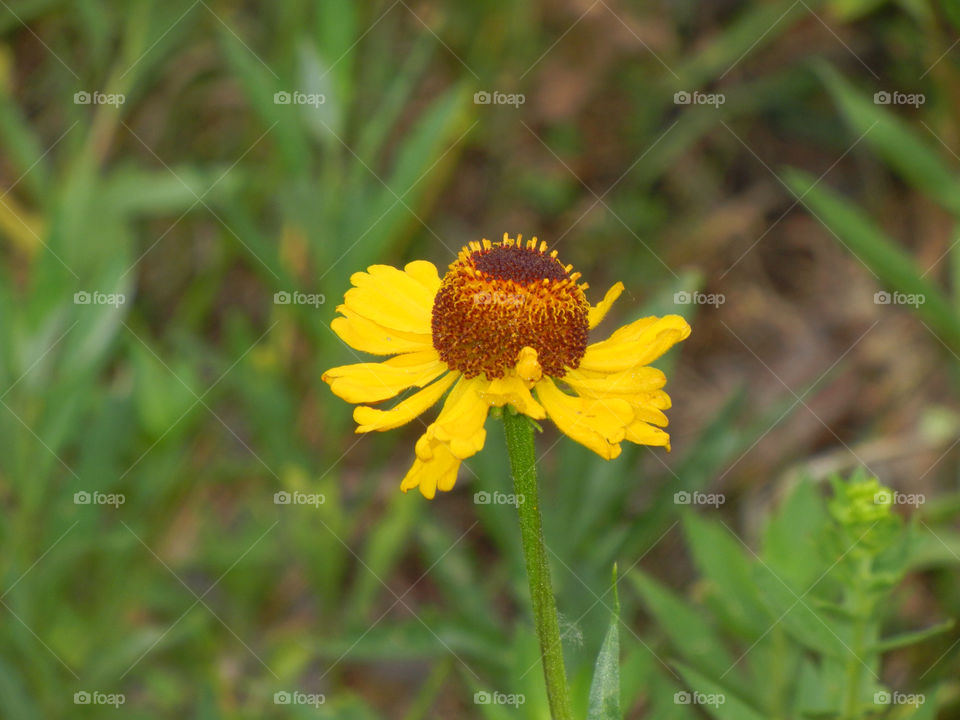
x=507 y=325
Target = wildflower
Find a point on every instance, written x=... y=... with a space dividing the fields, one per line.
x=507 y=325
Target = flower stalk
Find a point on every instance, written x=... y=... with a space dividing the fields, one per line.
x=523 y=464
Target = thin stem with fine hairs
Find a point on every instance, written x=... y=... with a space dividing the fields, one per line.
x=523 y=463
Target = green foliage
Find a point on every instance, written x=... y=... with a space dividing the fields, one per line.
x=605 y=686
x=198 y=399
x=818 y=592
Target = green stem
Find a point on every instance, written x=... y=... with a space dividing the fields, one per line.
x=861 y=607
x=523 y=463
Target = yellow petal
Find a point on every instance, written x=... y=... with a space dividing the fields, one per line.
x=660 y=400
x=636 y=344
x=426 y=274
x=634 y=330
x=367 y=336
x=405 y=284
x=649 y=414
x=643 y=434
x=460 y=423
x=598 y=424
x=393 y=298
x=626 y=382
x=372 y=382
x=599 y=311
x=514 y=391
x=439 y=471
x=369 y=418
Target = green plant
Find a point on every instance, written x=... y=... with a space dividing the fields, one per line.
x=796 y=628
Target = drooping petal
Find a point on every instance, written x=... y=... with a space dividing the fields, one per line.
x=649 y=414
x=369 y=418
x=629 y=382
x=456 y=434
x=438 y=471
x=636 y=344
x=598 y=424
x=599 y=311
x=514 y=391
x=642 y=433
x=373 y=382
x=460 y=423
x=660 y=400
x=368 y=336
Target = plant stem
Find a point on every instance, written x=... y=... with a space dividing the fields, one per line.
x=862 y=609
x=523 y=463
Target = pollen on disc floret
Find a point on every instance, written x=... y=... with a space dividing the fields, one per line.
x=498 y=298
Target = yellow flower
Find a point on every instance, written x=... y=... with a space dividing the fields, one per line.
x=507 y=324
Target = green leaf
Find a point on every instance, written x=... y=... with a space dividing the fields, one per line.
x=934 y=548
x=421 y=164
x=714 y=698
x=388 y=539
x=790 y=545
x=866 y=242
x=336 y=34
x=917 y=161
x=131 y=190
x=910 y=638
x=797 y=616
x=951 y=8
x=261 y=87
x=15 y=699
x=721 y=559
x=686 y=627
x=605 y=689
x=324 y=120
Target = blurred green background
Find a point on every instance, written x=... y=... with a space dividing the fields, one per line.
x=158 y=193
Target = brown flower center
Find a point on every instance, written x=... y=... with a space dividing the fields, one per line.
x=497 y=299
